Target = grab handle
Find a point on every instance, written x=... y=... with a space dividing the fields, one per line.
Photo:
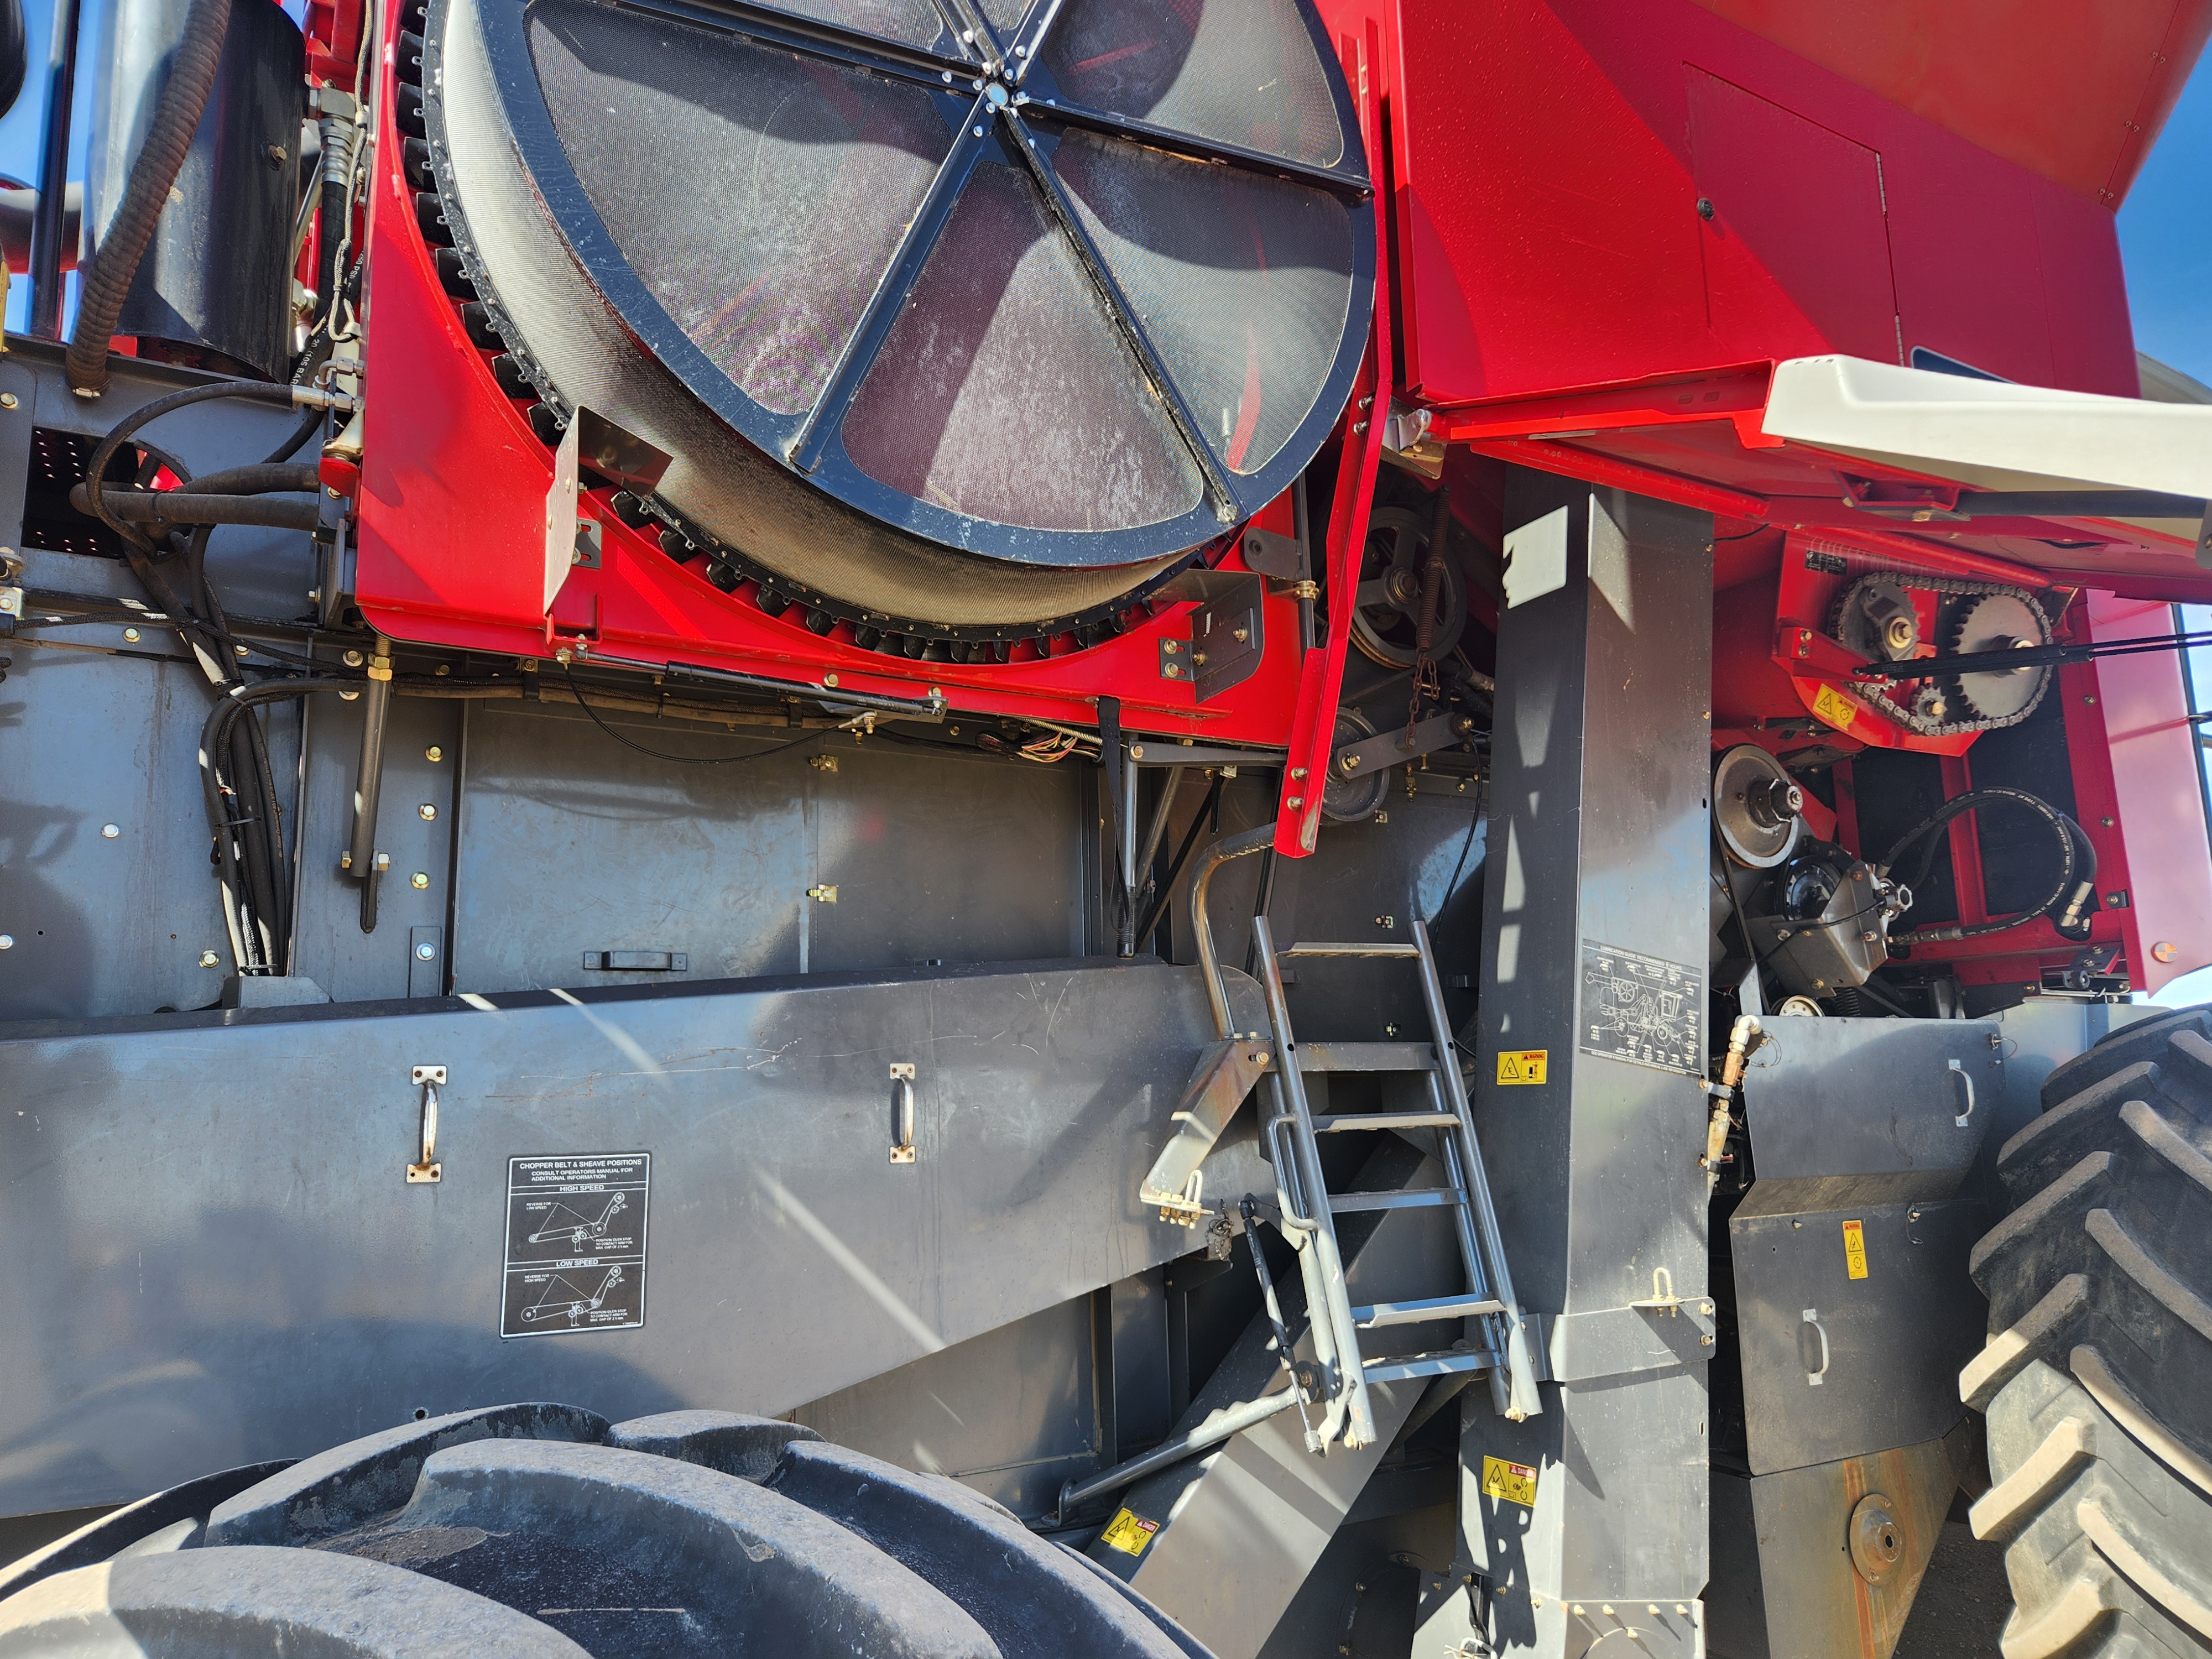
x=1959 y=1071
x=1814 y=1379
x=902 y=1113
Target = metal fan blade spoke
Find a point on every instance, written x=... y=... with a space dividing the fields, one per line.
x=1036 y=29
x=1219 y=485
x=1353 y=184
x=891 y=291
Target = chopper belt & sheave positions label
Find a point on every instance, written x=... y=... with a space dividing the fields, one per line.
x=1643 y=1008
x=576 y=1243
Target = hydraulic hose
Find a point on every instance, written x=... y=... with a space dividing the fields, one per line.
x=2077 y=877
x=178 y=507
x=114 y=266
x=146 y=414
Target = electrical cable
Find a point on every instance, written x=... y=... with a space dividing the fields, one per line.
x=681 y=760
x=1465 y=848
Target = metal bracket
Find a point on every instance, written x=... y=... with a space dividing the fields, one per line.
x=903 y=1113
x=1388 y=748
x=1224 y=1074
x=427 y=1171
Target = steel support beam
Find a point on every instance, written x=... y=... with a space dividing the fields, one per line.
x=1594 y=954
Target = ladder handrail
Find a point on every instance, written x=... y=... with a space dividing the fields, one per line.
x=1209 y=959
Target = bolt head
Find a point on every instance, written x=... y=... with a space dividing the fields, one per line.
x=353 y=659
x=829 y=679
x=130 y=634
x=109 y=831
x=7 y=400
x=426 y=952
x=434 y=753
x=209 y=959
x=419 y=880
x=425 y=812
x=7 y=941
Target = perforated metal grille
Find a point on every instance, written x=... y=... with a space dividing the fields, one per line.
x=910 y=22
x=756 y=194
x=1242 y=72
x=1005 y=391
x=1243 y=282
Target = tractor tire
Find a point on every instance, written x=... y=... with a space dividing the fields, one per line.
x=2097 y=1381
x=543 y=1530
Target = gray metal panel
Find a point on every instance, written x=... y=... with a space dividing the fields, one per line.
x=1009 y=1414
x=1895 y=1339
x=571 y=842
x=1599 y=834
x=108 y=925
x=332 y=950
x=1784 y=1586
x=1865 y=1111
x=215 y=1258
x=1241 y=1527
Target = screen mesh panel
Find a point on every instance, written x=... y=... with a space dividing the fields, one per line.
x=1241 y=72
x=1242 y=281
x=757 y=195
x=1004 y=393
x=910 y=22
x=1006 y=16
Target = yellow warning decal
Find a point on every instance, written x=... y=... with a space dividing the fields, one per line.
x=1855 y=1249
x=1523 y=1064
x=1510 y=1483
x=1129 y=1532
x=1833 y=707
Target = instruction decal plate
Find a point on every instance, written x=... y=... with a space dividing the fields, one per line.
x=576 y=1243
x=1523 y=1065
x=1509 y=1483
x=1855 y=1248
x=1643 y=1008
x=1128 y=1532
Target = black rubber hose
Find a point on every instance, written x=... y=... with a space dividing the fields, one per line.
x=168 y=140
x=182 y=507
x=2073 y=888
x=147 y=414
x=310 y=423
x=334 y=211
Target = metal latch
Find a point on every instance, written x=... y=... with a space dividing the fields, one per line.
x=903 y=1113
x=1698 y=1311
x=428 y=1078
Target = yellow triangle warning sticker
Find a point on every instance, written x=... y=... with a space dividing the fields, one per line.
x=1521 y=1064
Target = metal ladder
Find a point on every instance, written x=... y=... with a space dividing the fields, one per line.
x=1308 y=1209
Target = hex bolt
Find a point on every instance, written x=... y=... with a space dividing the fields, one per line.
x=7 y=941
x=426 y=952
x=7 y=400
x=130 y=634
x=109 y=831
x=209 y=959
x=353 y=659
x=425 y=812
x=419 y=880
x=434 y=753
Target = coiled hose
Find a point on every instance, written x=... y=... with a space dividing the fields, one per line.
x=2077 y=877
x=115 y=265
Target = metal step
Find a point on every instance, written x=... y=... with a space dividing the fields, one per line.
x=1419 y=1199
x=1417 y=1313
x=1344 y=1122
x=1376 y=950
x=1431 y=1364
x=1366 y=1056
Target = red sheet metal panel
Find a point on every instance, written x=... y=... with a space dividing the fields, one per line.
x=1549 y=164
x=2167 y=921
x=2076 y=90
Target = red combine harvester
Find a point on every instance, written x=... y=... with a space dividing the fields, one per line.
x=1326 y=822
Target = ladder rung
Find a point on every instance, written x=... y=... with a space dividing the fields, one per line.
x=1376 y=950
x=1416 y=1313
x=1343 y=1121
x=1366 y=1056
x=1431 y=1365
x=1419 y=1198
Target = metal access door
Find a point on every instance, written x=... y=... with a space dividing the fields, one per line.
x=1852 y=1314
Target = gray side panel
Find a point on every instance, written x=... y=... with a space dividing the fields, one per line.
x=573 y=843
x=1599 y=836
x=215 y=1256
